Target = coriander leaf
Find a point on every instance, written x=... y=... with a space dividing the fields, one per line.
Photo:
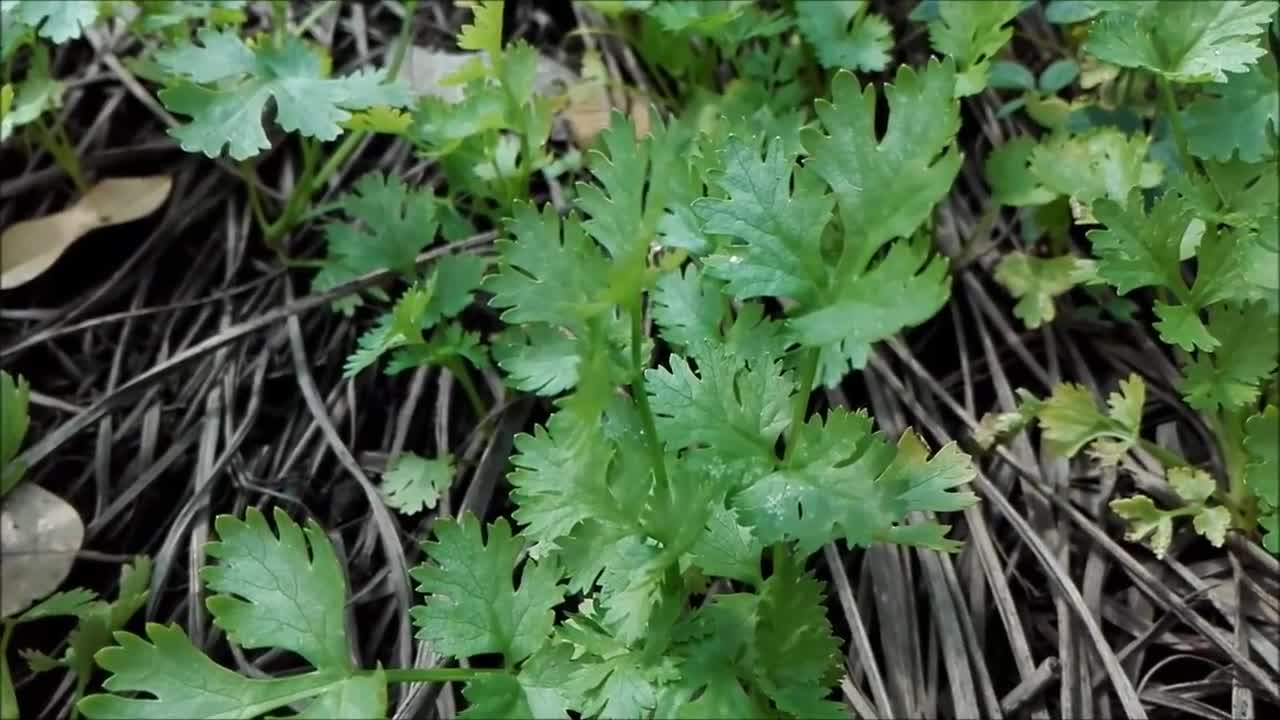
x=1192 y=484
x=37 y=93
x=447 y=344
x=1036 y=281
x=796 y=654
x=779 y=232
x=885 y=186
x=844 y=35
x=733 y=406
x=529 y=694
x=843 y=481
x=1262 y=473
x=1212 y=523
x=727 y=548
x=230 y=84
x=1009 y=173
x=688 y=307
x=1191 y=42
x=1070 y=420
x=1137 y=249
x=1233 y=193
x=472 y=604
x=1230 y=376
x=57 y=20
x=15 y=393
x=972 y=33
x=1148 y=524
x=261 y=581
x=608 y=678
x=284 y=591
x=390 y=224
x=415 y=483
x=1101 y=163
x=537 y=358
x=484 y=32
x=1240 y=116
x=548 y=272
x=67 y=603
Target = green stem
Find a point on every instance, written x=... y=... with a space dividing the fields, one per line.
x=63 y=153
x=1175 y=123
x=641 y=395
x=463 y=376
x=808 y=374
x=1167 y=458
x=434 y=675
x=1229 y=429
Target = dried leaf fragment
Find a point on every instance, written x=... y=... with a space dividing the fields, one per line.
x=30 y=247
x=40 y=534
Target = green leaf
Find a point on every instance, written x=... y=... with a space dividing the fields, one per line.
x=282 y=589
x=68 y=603
x=1213 y=523
x=972 y=33
x=1008 y=170
x=1191 y=42
x=389 y=225
x=1010 y=75
x=1148 y=524
x=1058 y=75
x=260 y=580
x=447 y=345
x=1239 y=117
x=688 y=307
x=36 y=94
x=533 y=693
x=843 y=35
x=15 y=394
x=537 y=358
x=1230 y=377
x=797 y=655
x=415 y=483
x=484 y=32
x=99 y=620
x=1192 y=484
x=735 y=407
x=227 y=86
x=473 y=606
x=727 y=548
x=843 y=481
x=1036 y=281
x=1262 y=441
x=1071 y=419
x=1101 y=163
x=58 y=20
x=1139 y=249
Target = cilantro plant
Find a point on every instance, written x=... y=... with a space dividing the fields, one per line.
x=666 y=508
x=1180 y=196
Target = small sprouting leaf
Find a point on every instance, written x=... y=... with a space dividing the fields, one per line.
x=1071 y=420
x=415 y=483
x=1036 y=281
x=226 y=85
x=281 y=589
x=1148 y=524
x=844 y=36
x=473 y=605
x=1192 y=484
x=1190 y=42
x=15 y=393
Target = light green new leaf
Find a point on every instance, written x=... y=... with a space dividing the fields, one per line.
x=282 y=590
x=1191 y=42
x=1148 y=524
x=735 y=407
x=1036 y=281
x=1071 y=419
x=972 y=33
x=844 y=35
x=1241 y=116
x=484 y=32
x=1008 y=170
x=1101 y=163
x=1230 y=377
x=37 y=93
x=15 y=394
x=57 y=20
x=473 y=605
x=230 y=84
x=415 y=483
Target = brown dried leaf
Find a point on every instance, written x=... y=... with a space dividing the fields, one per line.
x=30 y=247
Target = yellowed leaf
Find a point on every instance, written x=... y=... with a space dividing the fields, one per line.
x=589 y=108
x=30 y=247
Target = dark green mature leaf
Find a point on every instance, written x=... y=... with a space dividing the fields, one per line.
x=844 y=481
x=473 y=605
x=1184 y=41
x=735 y=407
x=844 y=35
x=1262 y=474
x=1237 y=118
x=1231 y=376
x=284 y=591
x=227 y=86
